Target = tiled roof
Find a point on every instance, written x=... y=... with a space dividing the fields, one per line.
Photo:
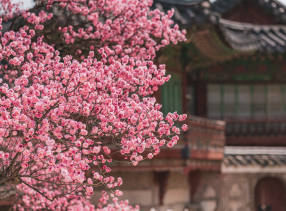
x=270 y=6
x=241 y=37
x=249 y=37
x=258 y=156
x=187 y=13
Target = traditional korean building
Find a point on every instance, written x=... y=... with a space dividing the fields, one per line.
x=230 y=78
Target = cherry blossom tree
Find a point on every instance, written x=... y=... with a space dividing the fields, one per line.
x=77 y=80
x=27 y=199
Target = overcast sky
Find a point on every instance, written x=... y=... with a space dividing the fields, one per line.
x=26 y=3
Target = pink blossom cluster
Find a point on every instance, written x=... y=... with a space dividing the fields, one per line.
x=117 y=205
x=29 y=199
x=126 y=26
x=8 y=9
x=60 y=115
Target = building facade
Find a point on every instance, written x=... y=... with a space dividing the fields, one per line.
x=230 y=78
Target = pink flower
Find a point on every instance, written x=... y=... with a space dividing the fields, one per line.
x=85 y=145
x=118 y=193
x=96 y=149
x=96 y=176
x=182 y=117
x=185 y=127
x=83 y=132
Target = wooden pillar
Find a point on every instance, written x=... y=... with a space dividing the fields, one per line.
x=184 y=92
x=194 y=182
x=88 y=173
x=161 y=179
x=201 y=98
x=157 y=95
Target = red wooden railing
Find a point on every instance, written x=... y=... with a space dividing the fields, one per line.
x=256 y=127
x=263 y=131
x=205 y=137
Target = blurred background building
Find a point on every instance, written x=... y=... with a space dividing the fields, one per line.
x=230 y=77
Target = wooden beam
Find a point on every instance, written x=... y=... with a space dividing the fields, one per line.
x=256 y=141
x=206 y=154
x=201 y=98
x=194 y=182
x=7 y=203
x=161 y=179
x=184 y=91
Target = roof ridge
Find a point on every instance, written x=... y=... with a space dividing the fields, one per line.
x=181 y=2
x=275 y=7
x=246 y=150
x=237 y=25
x=279 y=3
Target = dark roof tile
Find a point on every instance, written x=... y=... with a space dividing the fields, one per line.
x=270 y=6
x=240 y=36
x=187 y=13
x=261 y=156
x=245 y=36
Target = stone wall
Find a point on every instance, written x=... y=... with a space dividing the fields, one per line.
x=239 y=190
x=215 y=192
x=177 y=194
x=140 y=189
x=230 y=192
x=207 y=196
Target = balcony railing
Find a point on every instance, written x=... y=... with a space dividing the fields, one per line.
x=256 y=131
x=206 y=133
x=256 y=127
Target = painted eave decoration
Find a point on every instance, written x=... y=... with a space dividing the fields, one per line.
x=218 y=32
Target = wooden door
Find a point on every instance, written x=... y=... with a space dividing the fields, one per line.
x=171 y=94
x=269 y=195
